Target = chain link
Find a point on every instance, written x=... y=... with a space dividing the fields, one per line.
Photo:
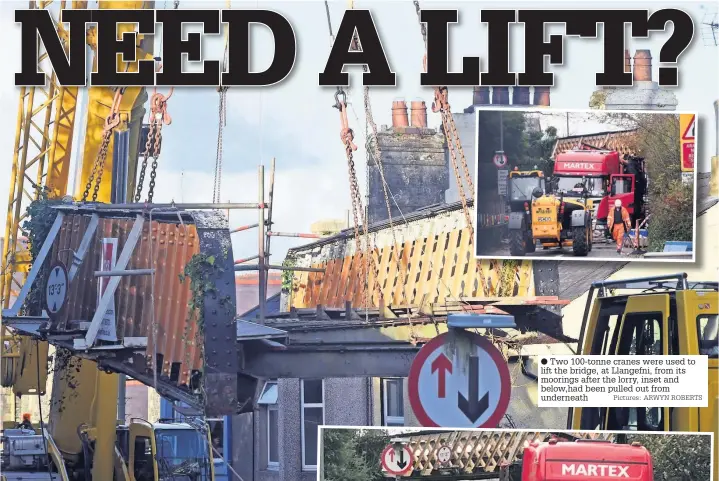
x=347 y=136
x=376 y=154
x=98 y=167
x=158 y=117
x=146 y=156
x=222 y=122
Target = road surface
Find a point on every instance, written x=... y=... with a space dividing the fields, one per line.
x=600 y=250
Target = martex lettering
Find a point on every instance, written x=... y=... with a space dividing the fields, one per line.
x=590 y=469
x=580 y=166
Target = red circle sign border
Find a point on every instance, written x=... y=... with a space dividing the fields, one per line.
x=436 y=343
x=500 y=160
x=410 y=463
x=436 y=453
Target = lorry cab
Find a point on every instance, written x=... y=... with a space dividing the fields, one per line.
x=586 y=459
x=659 y=316
x=159 y=451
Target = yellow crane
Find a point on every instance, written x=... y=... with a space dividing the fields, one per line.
x=84 y=441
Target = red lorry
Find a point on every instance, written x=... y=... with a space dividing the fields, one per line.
x=581 y=460
x=607 y=175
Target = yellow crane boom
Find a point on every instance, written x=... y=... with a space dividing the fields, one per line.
x=41 y=167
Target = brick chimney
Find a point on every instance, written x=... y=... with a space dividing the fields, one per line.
x=414 y=164
x=642 y=66
x=645 y=94
x=481 y=95
x=541 y=96
x=419 y=114
x=520 y=96
x=399 y=114
x=500 y=95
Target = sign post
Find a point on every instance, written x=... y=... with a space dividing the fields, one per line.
x=460 y=380
x=502 y=175
x=397 y=459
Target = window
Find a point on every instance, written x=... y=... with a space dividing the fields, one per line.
x=217 y=435
x=313 y=415
x=708 y=325
x=641 y=335
x=621 y=185
x=268 y=398
x=143 y=467
x=393 y=402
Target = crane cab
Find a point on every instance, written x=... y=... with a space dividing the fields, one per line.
x=154 y=451
x=666 y=315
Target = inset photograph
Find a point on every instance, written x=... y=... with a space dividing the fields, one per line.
x=354 y=453
x=594 y=185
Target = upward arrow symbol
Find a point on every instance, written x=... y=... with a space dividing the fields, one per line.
x=443 y=366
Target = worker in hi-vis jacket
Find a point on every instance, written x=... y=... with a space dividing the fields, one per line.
x=619 y=222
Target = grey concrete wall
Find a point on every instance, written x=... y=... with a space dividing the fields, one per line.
x=415 y=170
x=347 y=402
x=242 y=456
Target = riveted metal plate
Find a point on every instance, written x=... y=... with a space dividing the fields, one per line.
x=220 y=330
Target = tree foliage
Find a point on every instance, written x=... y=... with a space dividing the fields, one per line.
x=678 y=457
x=670 y=201
x=352 y=455
x=539 y=148
x=524 y=147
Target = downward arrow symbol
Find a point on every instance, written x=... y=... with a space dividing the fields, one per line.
x=473 y=407
x=401 y=463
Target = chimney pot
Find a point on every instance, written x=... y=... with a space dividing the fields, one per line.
x=419 y=114
x=500 y=95
x=627 y=61
x=399 y=114
x=541 y=96
x=520 y=95
x=643 y=66
x=481 y=95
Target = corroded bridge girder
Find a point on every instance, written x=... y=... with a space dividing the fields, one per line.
x=176 y=330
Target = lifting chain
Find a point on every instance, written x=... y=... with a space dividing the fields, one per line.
x=441 y=106
x=347 y=137
x=222 y=123
x=112 y=121
x=158 y=117
x=376 y=154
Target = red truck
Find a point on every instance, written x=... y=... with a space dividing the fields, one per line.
x=608 y=176
x=582 y=460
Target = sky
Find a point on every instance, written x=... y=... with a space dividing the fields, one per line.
x=294 y=121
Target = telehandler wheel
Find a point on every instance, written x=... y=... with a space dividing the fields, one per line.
x=518 y=242
x=580 y=244
x=531 y=246
x=591 y=240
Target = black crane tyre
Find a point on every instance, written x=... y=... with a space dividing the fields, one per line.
x=517 y=242
x=531 y=245
x=591 y=240
x=580 y=244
